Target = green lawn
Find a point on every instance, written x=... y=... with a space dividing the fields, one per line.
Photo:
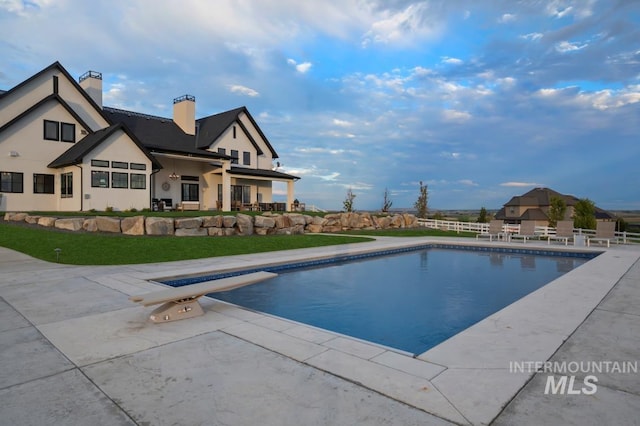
x=80 y=248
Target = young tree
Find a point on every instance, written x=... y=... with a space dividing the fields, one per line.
x=557 y=210
x=348 y=202
x=584 y=214
x=483 y=216
x=421 y=203
x=386 y=202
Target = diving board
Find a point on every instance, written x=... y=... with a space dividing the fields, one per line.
x=182 y=302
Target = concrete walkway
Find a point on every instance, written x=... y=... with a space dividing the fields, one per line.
x=75 y=351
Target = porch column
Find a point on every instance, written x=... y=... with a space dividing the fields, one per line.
x=226 y=187
x=290 y=195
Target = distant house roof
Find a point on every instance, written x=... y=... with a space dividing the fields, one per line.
x=538 y=198
x=79 y=150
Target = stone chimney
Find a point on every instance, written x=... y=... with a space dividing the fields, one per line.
x=91 y=82
x=184 y=113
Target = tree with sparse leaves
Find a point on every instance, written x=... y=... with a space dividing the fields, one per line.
x=584 y=214
x=386 y=201
x=557 y=210
x=348 y=202
x=421 y=203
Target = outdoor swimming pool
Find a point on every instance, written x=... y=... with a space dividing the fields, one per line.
x=410 y=300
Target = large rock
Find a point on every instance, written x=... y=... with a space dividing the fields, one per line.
x=229 y=221
x=212 y=221
x=244 y=224
x=383 y=222
x=159 y=226
x=47 y=221
x=188 y=223
x=282 y=221
x=264 y=222
x=191 y=232
x=296 y=219
x=397 y=221
x=33 y=220
x=314 y=228
x=318 y=220
x=70 y=224
x=133 y=225
x=90 y=225
x=16 y=217
x=108 y=224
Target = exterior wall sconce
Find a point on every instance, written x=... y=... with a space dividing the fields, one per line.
x=14 y=154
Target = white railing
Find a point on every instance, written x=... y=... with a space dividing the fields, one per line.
x=543 y=231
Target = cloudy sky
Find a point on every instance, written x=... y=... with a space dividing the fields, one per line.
x=480 y=100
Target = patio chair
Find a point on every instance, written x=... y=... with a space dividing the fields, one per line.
x=564 y=232
x=495 y=230
x=605 y=232
x=527 y=231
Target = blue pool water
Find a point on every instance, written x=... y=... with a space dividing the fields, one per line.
x=410 y=301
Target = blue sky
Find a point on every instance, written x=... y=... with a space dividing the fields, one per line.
x=480 y=100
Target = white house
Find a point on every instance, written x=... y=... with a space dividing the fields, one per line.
x=60 y=150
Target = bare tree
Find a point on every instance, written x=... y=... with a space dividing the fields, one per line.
x=386 y=202
x=348 y=202
x=421 y=203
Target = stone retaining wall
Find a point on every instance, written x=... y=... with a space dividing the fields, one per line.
x=220 y=225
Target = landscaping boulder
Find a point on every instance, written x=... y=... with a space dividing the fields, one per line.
x=229 y=221
x=296 y=219
x=212 y=221
x=244 y=224
x=108 y=224
x=264 y=222
x=16 y=217
x=90 y=225
x=133 y=225
x=191 y=232
x=33 y=220
x=70 y=224
x=47 y=221
x=188 y=223
x=159 y=226
x=314 y=228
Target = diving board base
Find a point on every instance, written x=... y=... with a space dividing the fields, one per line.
x=177 y=310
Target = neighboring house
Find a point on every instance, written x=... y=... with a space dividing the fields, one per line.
x=534 y=205
x=60 y=150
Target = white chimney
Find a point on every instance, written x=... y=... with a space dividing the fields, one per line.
x=184 y=113
x=91 y=82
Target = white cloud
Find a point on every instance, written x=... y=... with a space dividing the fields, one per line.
x=507 y=17
x=302 y=68
x=330 y=177
x=565 y=46
x=403 y=26
x=532 y=36
x=342 y=123
x=521 y=184
x=454 y=115
x=243 y=90
x=453 y=61
x=468 y=182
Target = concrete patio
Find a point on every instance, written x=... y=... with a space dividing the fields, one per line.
x=75 y=351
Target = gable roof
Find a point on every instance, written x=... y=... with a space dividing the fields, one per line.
x=212 y=127
x=159 y=134
x=57 y=65
x=79 y=150
x=43 y=101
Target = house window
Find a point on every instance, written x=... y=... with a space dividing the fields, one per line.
x=99 y=179
x=51 y=130
x=234 y=132
x=11 y=182
x=190 y=192
x=119 y=180
x=138 y=166
x=99 y=163
x=42 y=184
x=234 y=156
x=222 y=151
x=68 y=132
x=241 y=193
x=138 y=181
x=246 y=158
x=220 y=192
x=119 y=165
x=66 y=185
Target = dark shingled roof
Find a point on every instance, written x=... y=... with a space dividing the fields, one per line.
x=76 y=153
x=260 y=172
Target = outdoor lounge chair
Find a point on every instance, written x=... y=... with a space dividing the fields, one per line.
x=564 y=232
x=527 y=231
x=495 y=230
x=605 y=232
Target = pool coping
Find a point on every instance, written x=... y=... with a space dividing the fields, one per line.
x=438 y=380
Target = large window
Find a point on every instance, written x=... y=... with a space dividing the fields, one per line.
x=11 y=182
x=66 y=185
x=138 y=166
x=241 y=193
x=42 y=184
x=190 y=192
x=99 y=163
x=99 y=179
x=68 y=132
x=234 y=156
x=119 y=164
x=51 y=130
x=246 y=158
x=138 y=181
x=57 y=131
x=119 y=180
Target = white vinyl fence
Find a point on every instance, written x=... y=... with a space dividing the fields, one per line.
x=543 y=231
